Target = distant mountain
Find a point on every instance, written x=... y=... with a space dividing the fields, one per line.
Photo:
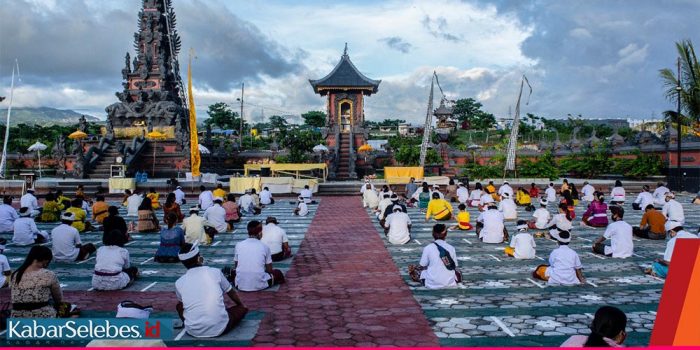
x=44 y=116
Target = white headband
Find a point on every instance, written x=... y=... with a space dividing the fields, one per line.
x=521 y=227
x=191 y=254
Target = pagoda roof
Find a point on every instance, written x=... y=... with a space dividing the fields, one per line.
x=345 y=76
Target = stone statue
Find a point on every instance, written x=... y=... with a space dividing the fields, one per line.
x=110 y=130
x=82 y=124
x=207 y=139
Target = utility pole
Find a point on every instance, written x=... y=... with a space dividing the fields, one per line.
x=680 y=129
x=240 y=129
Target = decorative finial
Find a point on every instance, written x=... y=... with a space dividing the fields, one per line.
x=345 y=52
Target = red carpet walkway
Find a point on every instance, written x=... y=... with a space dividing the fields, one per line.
x=343 y=289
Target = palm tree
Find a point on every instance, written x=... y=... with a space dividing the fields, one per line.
x=689 y=82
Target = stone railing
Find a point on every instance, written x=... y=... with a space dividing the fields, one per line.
x=132 y=152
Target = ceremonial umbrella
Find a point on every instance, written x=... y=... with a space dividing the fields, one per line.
x=155 y=136
x=37 y=147
x=203 y=149
x=365 y=148
x=320 y=148
x=77 y=135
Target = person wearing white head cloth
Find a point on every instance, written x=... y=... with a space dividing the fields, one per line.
x=436 y=189
x=26 y=231
x=200 y=294
x=363 y=188
x=28 y=200
x=370 y=199
x=508 y=207
x=564 y=267
x=660 y=194
x=399 y=225
x=522 y=246
x=673 y=211
x=675 y=230
x=216 y=216
x=179 y=195
x=587 y=191
x=541 y=216
x=5 y=270
x=505 y=188
x=302 y=209
x=462 y=193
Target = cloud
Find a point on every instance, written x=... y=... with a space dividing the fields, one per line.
x=438 y=28
x=397 y=44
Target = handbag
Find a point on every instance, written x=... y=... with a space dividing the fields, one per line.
x=449 y=262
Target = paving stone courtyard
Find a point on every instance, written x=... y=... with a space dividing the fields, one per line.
x=347 y=286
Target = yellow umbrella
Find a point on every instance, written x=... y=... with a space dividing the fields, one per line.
x=365 y=148
x=155 y=136
x=77 y=135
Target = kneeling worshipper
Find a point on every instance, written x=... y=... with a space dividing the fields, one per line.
x=79 y=216
x=383 y=204
x=463 y=219
x=197 y=228
x=113 y=270
x=246 y=203
x=438 y=263
x=398 y=225
x=115 y=222
x=266 y=197
x=302 y=209
x=395 y=202
x=253 y=263
x=550 y=193
x=564 y=263
x=597 y=213
x=65 y=241
x=25 y=230
x=652 y=224
x=490 y=226
x=171 y=205
x=462 y=193
x=607 y=330
x=541 y=216
x=620 y=235
x=275 y=238
x=370 y=199
x=660 y=194
x=307 y=194
x=28 y=200
x=171 y=239
x=200 y=294
x=507 y=207
x=522 y=246
x=675 y=230
x=561 y=221
x=216 y=216
x=438 y=208
x=617 y=194
x=8 y=215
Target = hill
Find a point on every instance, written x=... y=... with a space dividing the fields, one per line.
x=44 y=116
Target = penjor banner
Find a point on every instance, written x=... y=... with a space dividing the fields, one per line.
x=195 y=157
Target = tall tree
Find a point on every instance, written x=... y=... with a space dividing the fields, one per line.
x=468 y=111
x=689 y=81
x=314 y=118
x=222 y=116
x=277 y=122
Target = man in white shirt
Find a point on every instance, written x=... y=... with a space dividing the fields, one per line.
x=490 y=227
x=505 y=188
x=5 y=270
x=541 y=215
x=620 y=235
x=65 y=239
x=675 y=230
x=266 y=197
x=673 y=211
x=253 y=262
x=275 y=238
x=246 y=203
x=364 y=187
x=133 y=203
x=307 y=194
x=216 y=216
x=551 y=193
x=660 y=194
x=564 y=267
x=383 y=204
x=8 y=215
x=436 y=189
x=462 y=193
x=28 y=200
x=200 y=294
x=508 y=207
x=195 y=228
x=587 y=191
x=399 y=225
x=25 y=230
x=302 y=209
x=432 y=271
x=522 y=246
x=206 y=198
x=179 y=196
x=643 y=199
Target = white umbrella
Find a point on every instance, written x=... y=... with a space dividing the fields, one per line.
x=203 y=149
x=37 y=147
x=320 y=148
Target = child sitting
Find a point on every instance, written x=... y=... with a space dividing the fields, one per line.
x=522 y=246
x=462 y=219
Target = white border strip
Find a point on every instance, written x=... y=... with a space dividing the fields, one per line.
x=503 y=326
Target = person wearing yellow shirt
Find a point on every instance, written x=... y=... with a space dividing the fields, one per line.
x=438 y=208
x=491 y=189
x=463 y=219
x=62 y=200
x=153 y=196
x=219 y=191
x=100 y=210
x=79 y=216
x=523 y=199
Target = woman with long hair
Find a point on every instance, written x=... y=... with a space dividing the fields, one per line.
x=617 y=194
x=607 y=330
x=597 y=213
x=172 y=206
x=569 y=201
x=113 y=270
x=171 y=239
x=148 y=222
x=562 y=220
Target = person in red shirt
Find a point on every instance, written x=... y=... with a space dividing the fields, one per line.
x=534 y=191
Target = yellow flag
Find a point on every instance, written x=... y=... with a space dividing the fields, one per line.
x=195 y=158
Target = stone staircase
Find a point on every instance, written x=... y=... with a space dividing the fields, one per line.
x=102 y=168
x=343 y=172
x=345 y=188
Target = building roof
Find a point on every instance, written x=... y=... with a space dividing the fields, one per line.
x=345 y=76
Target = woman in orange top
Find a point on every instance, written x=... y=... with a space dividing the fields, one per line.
x=100 y=210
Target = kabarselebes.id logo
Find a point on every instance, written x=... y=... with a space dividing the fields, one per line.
x=88 y=328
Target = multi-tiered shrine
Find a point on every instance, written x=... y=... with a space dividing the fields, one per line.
x=346 y=88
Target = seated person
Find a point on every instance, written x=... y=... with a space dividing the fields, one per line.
x=675 y=230
x=522 y=198
x=25 y=230
x=275 y=238
x=148 y=221
x=154 y=197
x=51 y=210
x=233 y=212
x=643 y=199
x=463 y=219
x=200 y=294
x=266 y=197
x=620 y=235
x=79 y=216
x=307 y=194
x=597 y=213
x=438 y=263
x=197 y=229
x=65 y=241
x=219 y=191
x=398 y=225
x=541 y=217
x=216 y=216
x=253 y=262
x=5 y=270
x=522 y=246
x=171 y=205
x=507 y=207
x=490 y=226
x=247 y=205
x=29 y=200
x=564 y=263
x=396 y=201
x=171 y=239
x=383 y=204
x=652 y=224
x=302 y=209
x=115 y=222
x=113 y=270
x=62 y=200
x=607 y=330
x=370 y=199
x=100 y=209
x=438 y=208
x=8 y=215
x=696 y=200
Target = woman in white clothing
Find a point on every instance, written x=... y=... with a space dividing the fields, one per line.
x=562 y=220
x=475 y=197
x=112 y=265
x=617 y=194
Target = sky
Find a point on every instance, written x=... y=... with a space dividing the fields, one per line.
x=594 y=58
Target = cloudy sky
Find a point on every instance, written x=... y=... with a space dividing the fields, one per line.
x=597 y=58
